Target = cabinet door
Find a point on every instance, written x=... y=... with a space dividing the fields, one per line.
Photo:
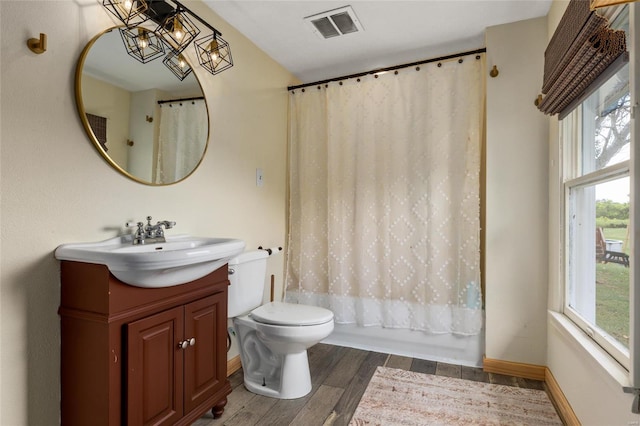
x=154 y=369
x=204 y=372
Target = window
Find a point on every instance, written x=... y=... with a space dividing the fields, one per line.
x=596 y=139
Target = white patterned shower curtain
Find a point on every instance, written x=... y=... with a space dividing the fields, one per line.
x=182 y=139
x=384 y=198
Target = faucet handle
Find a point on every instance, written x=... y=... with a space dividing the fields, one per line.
x=138 y=225
x=138 y=235
x=168 y=224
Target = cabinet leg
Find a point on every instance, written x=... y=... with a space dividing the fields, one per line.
x=218 y=409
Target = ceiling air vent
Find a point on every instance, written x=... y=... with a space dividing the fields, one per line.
x=335 y=22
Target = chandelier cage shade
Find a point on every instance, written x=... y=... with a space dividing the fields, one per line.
x=143 y=45
x=177 y=64
x=177 y=27
x=214 y=53
x=178 y=31
x=129 y=12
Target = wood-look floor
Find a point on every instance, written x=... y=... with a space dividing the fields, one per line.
x=339 y=377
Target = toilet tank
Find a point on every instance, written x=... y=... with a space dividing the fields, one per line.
x=247 y=273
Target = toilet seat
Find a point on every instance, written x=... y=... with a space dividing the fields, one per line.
x=279 y=313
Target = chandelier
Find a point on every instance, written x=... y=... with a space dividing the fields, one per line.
x=177 y=28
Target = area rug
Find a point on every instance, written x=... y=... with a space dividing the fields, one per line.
x=400 y=397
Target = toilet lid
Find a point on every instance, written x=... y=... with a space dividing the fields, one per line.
x=278 y=313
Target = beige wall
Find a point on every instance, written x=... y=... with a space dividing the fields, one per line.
x=56 y=188
x=582 y=370
x=109 y=101
x=556 y=11
x=516 y=223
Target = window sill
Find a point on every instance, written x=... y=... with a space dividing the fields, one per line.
x=581 y=341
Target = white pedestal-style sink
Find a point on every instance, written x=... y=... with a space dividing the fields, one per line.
x=179 y=260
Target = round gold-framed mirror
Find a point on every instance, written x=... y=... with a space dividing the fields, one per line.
x=146 y=119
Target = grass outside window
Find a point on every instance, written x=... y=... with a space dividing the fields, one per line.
x=612 y=292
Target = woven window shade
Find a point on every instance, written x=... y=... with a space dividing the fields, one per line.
x=99 y=126
x=581 y=49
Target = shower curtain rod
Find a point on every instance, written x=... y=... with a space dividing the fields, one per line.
x=393 y=68
x=195 y=98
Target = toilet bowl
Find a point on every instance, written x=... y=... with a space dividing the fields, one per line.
x=273 y=338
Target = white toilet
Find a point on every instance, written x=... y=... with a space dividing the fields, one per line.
x=274 y=337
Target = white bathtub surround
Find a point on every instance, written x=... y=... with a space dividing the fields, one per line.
x=448 y=348
x=396 y=314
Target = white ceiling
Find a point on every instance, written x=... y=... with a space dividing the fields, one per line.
x=395 y=31
x=108 y=60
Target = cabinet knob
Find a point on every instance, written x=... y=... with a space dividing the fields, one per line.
x=186 y=343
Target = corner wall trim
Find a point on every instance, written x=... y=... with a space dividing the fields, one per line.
x=234 y=364
x=536 y=372
x=558 y=399
x=517 y=369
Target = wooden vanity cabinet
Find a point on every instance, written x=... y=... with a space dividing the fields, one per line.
x=141 y=356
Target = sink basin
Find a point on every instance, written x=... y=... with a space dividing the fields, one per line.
x=181 y=259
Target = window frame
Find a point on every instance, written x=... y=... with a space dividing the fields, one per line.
x=572 y=178
x=608 y=343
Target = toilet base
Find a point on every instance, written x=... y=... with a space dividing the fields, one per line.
x=294 y=381
x=267 y=370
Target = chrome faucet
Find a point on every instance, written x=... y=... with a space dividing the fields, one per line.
x=147 y=234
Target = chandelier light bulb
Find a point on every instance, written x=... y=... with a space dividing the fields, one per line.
x=178 y=31
x=214 y=50
x=127 y=5
x=143 y=39
x=181 y=62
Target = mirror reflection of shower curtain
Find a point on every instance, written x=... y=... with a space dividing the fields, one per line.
x=182 y=139
x=385 y=198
